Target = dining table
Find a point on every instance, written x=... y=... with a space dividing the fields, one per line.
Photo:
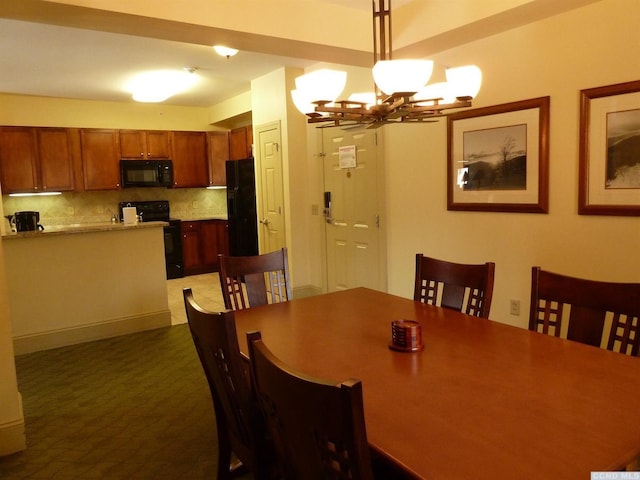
x=481 y=400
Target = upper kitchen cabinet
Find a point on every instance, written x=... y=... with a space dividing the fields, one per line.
x=36 y=159
x=142 y=144
x=240 y=143
x=100 y=159
x=218 y=154
x=189 y=155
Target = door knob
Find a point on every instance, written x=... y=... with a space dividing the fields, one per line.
x=265 y=221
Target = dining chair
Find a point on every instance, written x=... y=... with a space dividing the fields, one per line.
x=318 y=427
x=239 y=423
x=462 y=287
x=594 y=309
x=251 y=281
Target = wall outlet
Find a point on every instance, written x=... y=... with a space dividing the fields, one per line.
x=514 y=307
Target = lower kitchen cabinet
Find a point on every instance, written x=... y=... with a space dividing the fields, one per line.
x=202 y=241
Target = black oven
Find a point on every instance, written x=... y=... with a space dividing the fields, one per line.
x=173 y=249
x=158 y=210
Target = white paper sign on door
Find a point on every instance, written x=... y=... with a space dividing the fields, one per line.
x=347 y=156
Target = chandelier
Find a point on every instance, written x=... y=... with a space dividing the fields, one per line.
x=402 y=93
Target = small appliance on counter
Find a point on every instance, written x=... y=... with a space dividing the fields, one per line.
x=26 y=221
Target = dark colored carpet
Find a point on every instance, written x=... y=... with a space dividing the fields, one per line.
x=131 y=407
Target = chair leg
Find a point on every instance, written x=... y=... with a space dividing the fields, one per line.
x=224 y=458
x=237 y=468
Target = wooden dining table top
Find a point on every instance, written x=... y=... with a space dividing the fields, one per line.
x=482 y=400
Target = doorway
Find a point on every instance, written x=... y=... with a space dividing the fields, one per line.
x=271 y=211
x=354 y=227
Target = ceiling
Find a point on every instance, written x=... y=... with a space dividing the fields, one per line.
x=67 y=62
x=49 y=60
x=48 y=48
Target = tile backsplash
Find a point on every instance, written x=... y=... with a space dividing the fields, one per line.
x=94 y=207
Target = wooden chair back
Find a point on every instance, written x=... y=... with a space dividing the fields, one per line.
x=255 y=280
x=461 y=287
x=318 y=427
x=239 y=422
x=592 y=308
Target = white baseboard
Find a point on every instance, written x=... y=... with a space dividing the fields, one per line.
x=86 y=333
x=306 y=291
x=12 y=437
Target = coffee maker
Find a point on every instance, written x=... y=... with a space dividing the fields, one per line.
x=26 y=221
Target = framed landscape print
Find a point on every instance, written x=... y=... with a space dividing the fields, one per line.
x=609 y=161
x=498 y=158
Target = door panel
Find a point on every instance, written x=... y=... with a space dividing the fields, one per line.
x=352 y=231
x=272 y=234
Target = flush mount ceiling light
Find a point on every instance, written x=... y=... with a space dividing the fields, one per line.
x=158 y=85
x=225 y=51
x=402 y=93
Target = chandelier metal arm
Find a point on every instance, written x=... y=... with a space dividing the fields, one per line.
x=396 y=108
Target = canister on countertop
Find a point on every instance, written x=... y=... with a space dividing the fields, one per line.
x=129 y=215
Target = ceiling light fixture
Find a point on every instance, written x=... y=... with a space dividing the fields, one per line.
x=225 y=51
x=401 y=91
x=157 y=86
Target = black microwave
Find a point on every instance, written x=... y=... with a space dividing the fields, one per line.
x=146 y=173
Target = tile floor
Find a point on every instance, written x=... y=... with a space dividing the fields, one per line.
x=206 y=291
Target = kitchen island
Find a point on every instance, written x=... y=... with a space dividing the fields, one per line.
x=76 y=283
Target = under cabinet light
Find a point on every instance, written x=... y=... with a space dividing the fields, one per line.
x=39 y=194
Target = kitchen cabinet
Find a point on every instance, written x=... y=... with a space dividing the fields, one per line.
x=37 y=159
x=218 y=154
x=202 y=241
x=100 y=159
x=189 y=155
x=144 y=144
x=241 y=143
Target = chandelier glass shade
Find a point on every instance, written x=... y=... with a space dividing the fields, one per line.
x=393 y=76
x=326 y=84
x=402 y=93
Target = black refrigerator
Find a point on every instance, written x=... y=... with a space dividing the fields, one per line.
x=241 y=207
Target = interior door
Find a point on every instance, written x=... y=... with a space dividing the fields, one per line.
x=352 y=210
x=271 y=214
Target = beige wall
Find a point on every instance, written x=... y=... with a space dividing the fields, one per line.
x=12 y=436
x=271 y=103
x=588 y=47
x=61 y=112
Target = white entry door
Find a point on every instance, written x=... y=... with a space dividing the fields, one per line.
x=271 y=214
x=355 y=257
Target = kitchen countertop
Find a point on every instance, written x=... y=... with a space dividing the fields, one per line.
x=81 y=228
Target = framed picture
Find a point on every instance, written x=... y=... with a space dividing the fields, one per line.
x=609 y=162
x=498 y=158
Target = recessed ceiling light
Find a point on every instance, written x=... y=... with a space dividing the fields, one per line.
x=225 y=51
